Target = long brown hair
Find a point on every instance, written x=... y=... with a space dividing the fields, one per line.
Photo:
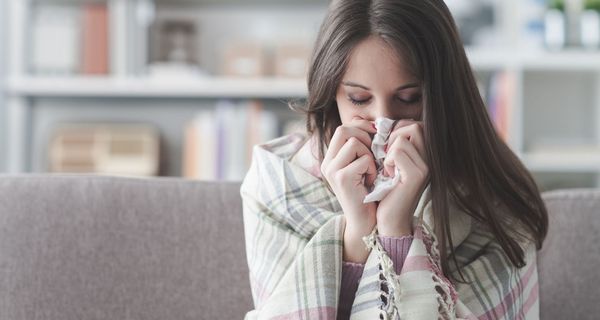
x=468 y=162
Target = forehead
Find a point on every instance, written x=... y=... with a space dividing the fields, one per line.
x=376 y=64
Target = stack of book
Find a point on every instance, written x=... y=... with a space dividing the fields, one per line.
x=218 y=142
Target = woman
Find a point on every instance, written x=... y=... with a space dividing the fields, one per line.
x=454 y=237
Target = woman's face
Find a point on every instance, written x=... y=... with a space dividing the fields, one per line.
x=377 y=83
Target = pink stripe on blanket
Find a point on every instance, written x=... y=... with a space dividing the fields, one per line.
x=416 y=263
x=312 y=313
x=532 y=299
x=509 y=299
x=418 y=233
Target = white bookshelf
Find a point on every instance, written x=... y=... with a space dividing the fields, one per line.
x=3 y=61
x=538 y=99
x=16 y=105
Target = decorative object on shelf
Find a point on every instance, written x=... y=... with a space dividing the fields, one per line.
x=555 y=25
x=55 y=26
x=244 y=58
x=174 y=49
x=476 y=21
x=291 y=60
x=532 y=32
x=95 y=57
x=120 y=149
x=590 y=25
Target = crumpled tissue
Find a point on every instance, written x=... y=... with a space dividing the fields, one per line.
x=382 y=185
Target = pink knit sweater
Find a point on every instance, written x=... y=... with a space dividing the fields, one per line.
x=395 y=247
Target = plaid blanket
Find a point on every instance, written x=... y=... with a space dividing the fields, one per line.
x=294 y=238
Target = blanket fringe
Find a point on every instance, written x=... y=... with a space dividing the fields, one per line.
x=388 y=308
x=445 y=294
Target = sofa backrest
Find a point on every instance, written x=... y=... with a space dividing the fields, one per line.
x=569 y=262
x=91 y=247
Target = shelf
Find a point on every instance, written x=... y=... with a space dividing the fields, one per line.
x=567 y=60
x=564 y=60
x=488 y=59
x=563 y=161
x=175 y=88
x=222 y=87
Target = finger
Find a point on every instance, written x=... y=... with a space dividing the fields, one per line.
x=351 y=150
x=412 y=131
x=363 y=126
x=366 y=125
x=407 y=128
x=403 y=123
x=398 y=159
x=408 y=147
x=362 y=166
x=340 y=136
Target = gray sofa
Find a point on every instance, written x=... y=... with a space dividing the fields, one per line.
x=99 y=247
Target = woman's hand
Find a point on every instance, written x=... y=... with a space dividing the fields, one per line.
x=347 y=165
x=405 y=151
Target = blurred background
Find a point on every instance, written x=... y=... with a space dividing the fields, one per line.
x=185 y=88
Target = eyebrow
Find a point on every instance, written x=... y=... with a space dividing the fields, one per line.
x=402 y=87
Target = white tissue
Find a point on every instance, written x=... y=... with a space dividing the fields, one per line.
x=382 y=185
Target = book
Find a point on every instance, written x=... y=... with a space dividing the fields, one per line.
x=95 y=57
x=190 y=150
x=207 y=153
x=500 y=103
x=55 y=40
x=237 y=161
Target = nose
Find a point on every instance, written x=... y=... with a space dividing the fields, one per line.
x=382 y=109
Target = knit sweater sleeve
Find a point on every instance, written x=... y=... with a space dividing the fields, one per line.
x=395 y=247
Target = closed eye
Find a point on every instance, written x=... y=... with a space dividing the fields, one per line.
x=410 y=101
x=358 y=102
x=361 y=102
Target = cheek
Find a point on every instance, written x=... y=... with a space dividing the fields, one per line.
x=419 y=112
x=413 y=112
x=345 y=109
